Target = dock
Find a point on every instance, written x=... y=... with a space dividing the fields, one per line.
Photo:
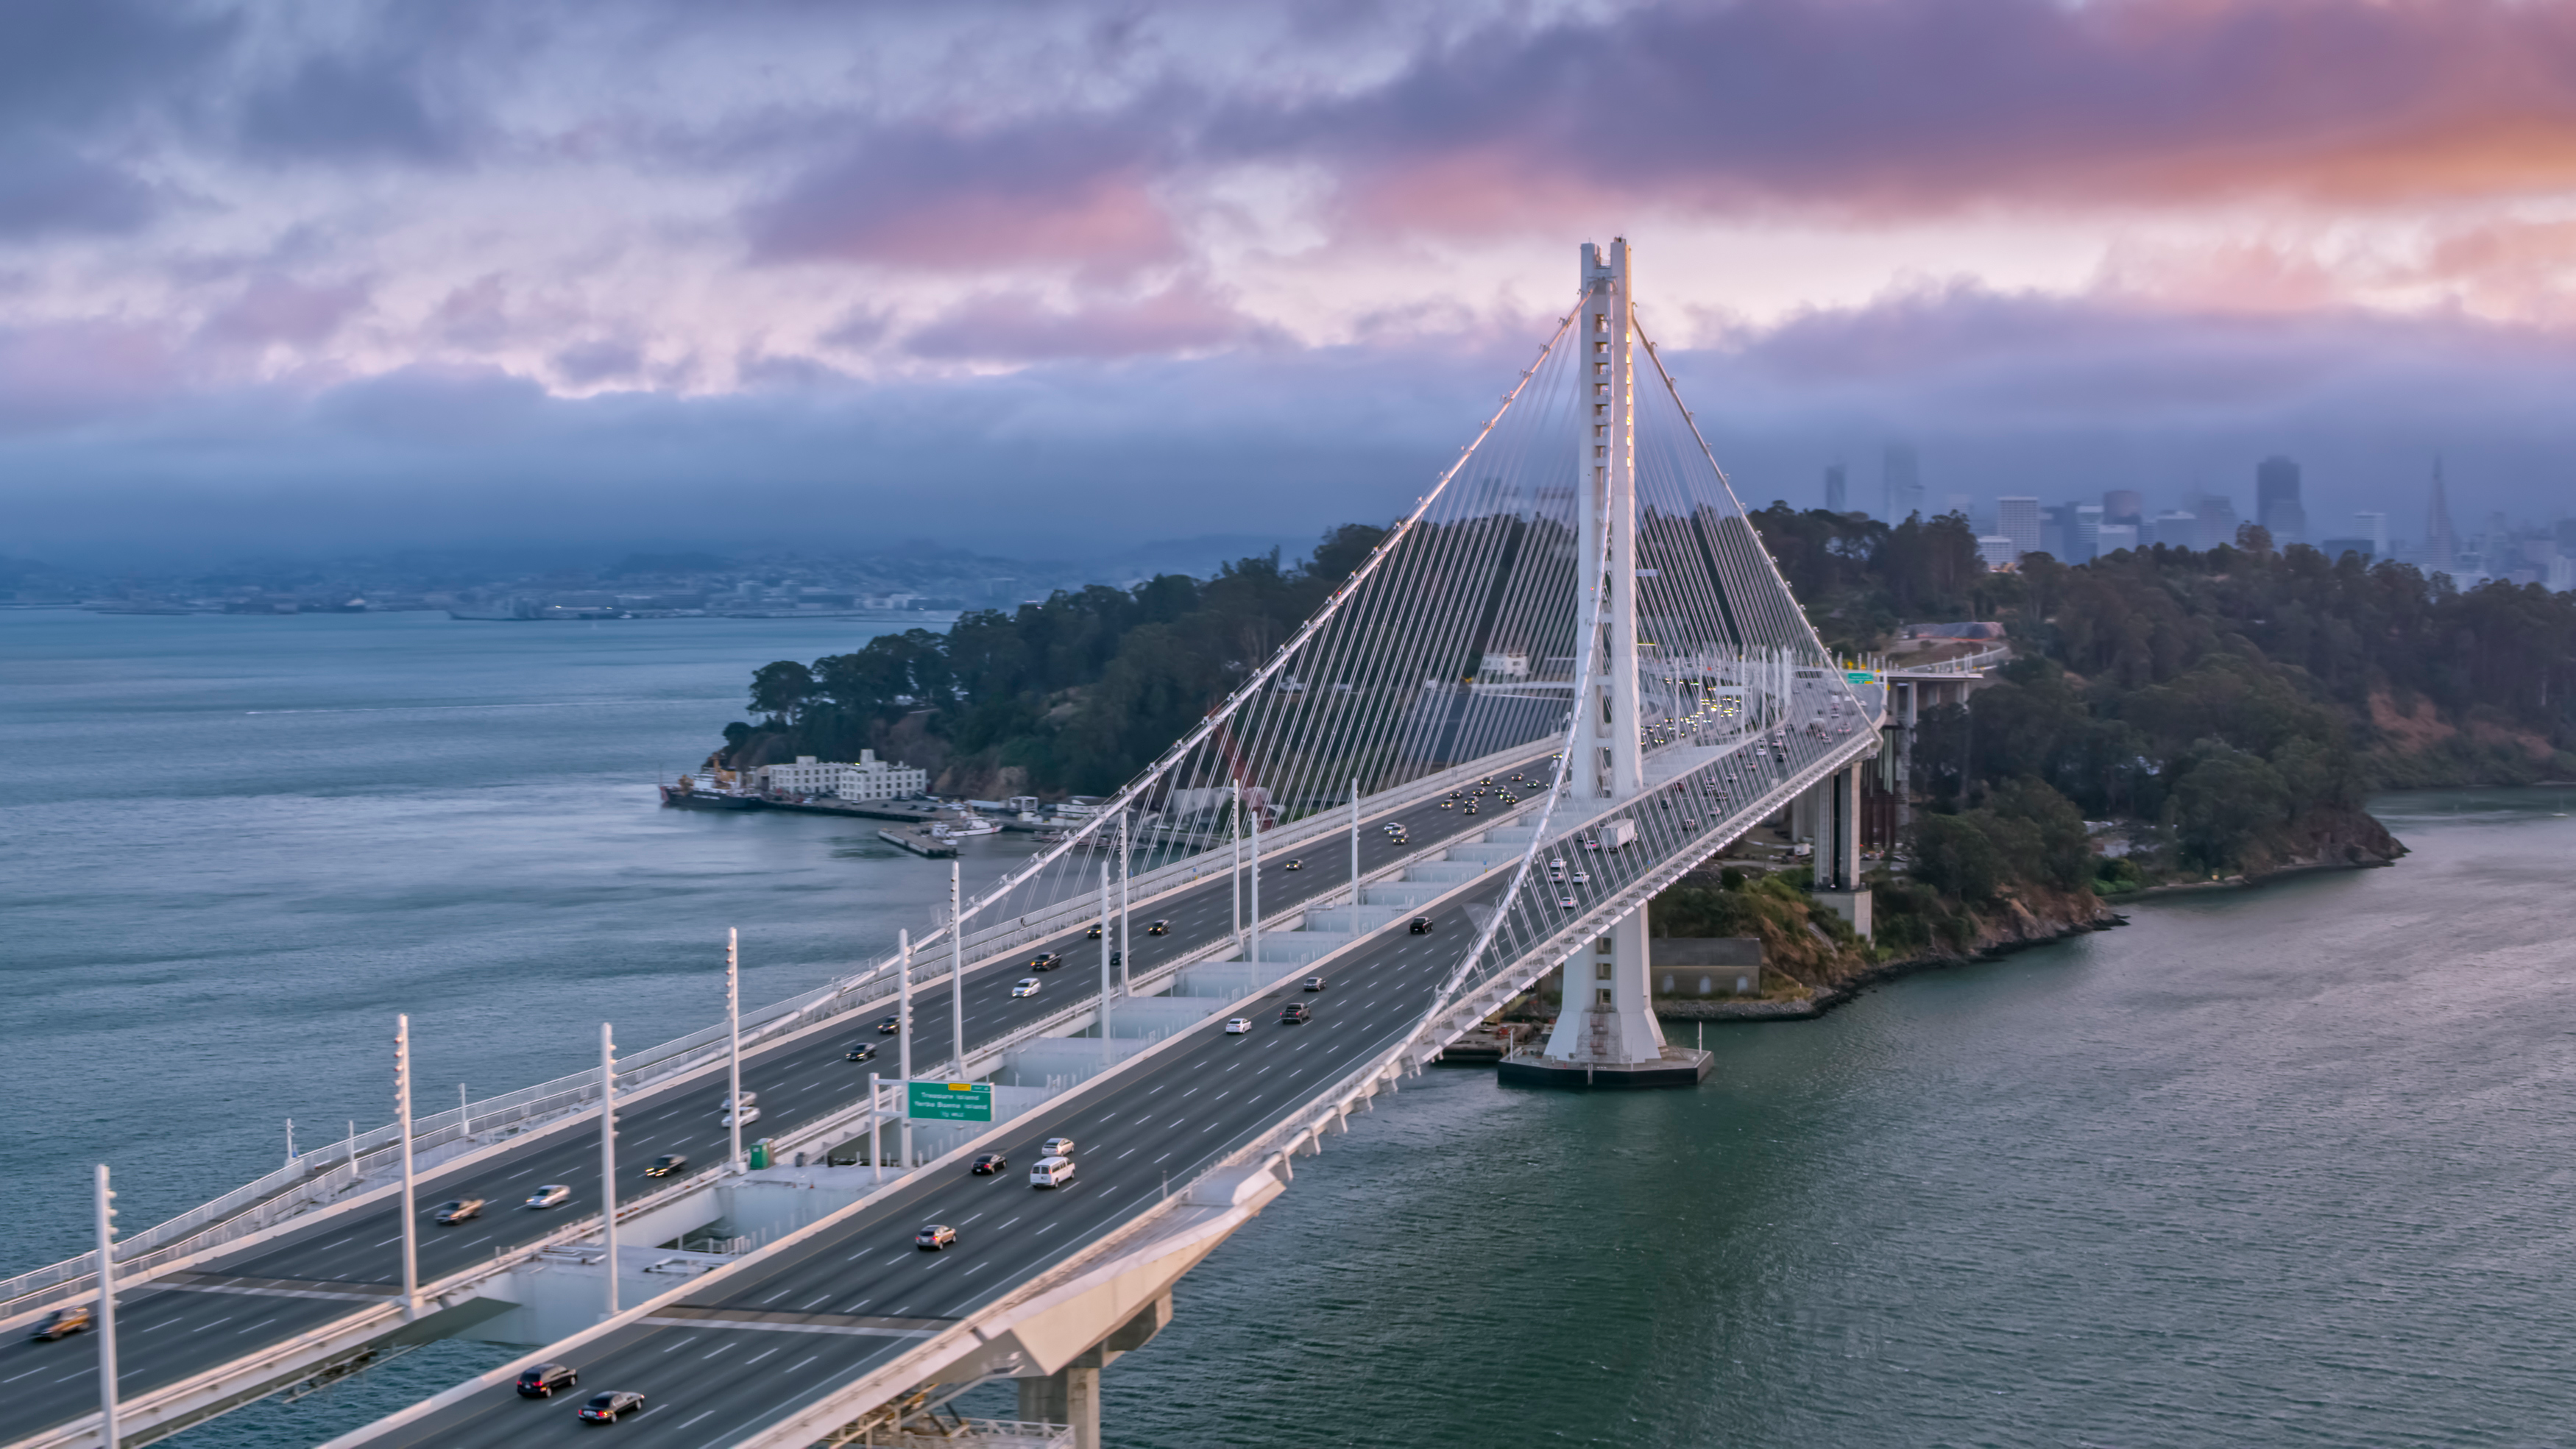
x=920 y=842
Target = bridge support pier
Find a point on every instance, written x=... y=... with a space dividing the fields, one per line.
x=1838 y=885
x=1071 y=1395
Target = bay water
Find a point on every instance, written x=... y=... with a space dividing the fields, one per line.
x=2281 y=1166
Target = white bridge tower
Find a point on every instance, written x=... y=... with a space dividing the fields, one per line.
x=1607 y=1020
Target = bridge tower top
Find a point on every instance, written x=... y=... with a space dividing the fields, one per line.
x=1610 y=764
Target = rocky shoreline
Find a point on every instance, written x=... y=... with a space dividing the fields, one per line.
x=2018 y=928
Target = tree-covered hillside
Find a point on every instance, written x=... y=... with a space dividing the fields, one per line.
x=1076 y=694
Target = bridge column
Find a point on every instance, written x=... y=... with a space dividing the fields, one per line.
x=1837 y=874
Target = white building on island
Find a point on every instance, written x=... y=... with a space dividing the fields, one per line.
x=869 y=779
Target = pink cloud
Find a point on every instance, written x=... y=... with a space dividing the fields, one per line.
x=1183 y=317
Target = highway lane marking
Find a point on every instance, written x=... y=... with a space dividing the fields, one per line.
x=1123 y=1156
x=1014 y=1220
x=13 y=1378
x=254 y=1328
x=702 y=1413
x=719 y=1348
x=978 y=1268
x=800 y=1363
x=683 y=1343
x=781 y=1293
x=389 y=1242
x=85 y=1373
x=826 y=1298
x=218 y=1323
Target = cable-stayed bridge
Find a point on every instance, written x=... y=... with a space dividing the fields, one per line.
x=1567 y=677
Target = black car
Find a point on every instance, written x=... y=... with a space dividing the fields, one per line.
x=1292 y=865
x=1294 y=1013
x=865 y=1051
x=1092 y=935
x=541 y=1381
x=1159 y=928
x=890 y=1026
x=62 y=1321
x=1421 y=926
x=666 y=1164
x=1046 y=960
x=604 y=1408
x=988 y=1164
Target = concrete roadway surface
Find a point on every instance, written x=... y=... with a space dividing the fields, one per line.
x=768 y=1338
x=181 y=1325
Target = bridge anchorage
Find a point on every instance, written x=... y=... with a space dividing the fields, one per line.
x=1568 y=676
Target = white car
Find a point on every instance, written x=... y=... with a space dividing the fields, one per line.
x=552 y=1194
x=1051 y=1172
x=1565 y=903
x=746 y=1117
x=1056 y=1147
x=1237 y=1025
x=1028 y=987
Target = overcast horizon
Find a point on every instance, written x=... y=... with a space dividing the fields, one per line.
x=1045 y=281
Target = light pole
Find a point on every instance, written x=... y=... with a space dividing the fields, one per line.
x=733 y=1031
x=1104 y=965
x=1253 y=823
x=876 y=1134
x=608 y=1160
x=956 y=971
x=903 y=1037
x=1126 y=957
x=402 y=1133
x=1234 y=841
x=1355 y=852
x=106 y=1312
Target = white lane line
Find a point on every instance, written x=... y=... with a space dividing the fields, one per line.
x=13 y=1378
x=719 y=1348
x=781 y=1293
x=800 y=1363
x=702 y=1413
x=890 y=1262
x=389 y=1242
x=808 y=1308
x=978 y=1268
x=1123 y=1156
x=1005 y=1225
x=964 y=1221
x=218 y=1323
x=344 y=1242
x=83 y=1374
x=254 y=1328
x=683 y=1343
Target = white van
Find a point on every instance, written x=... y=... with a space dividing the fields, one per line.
x=750 y=1110
x=1051 y=1172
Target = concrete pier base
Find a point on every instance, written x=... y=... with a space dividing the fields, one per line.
x=1678 y=1067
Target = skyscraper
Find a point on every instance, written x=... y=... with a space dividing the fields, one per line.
x=2441 y=545
x=2217 y=515
x=1904 y=482
x=1835 y=501
x=2018 y=520
x=2276 y=500
x=2373 y=526
x=2123 y=505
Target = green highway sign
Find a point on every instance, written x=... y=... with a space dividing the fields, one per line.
x=1860 y=676
x=951 y=1102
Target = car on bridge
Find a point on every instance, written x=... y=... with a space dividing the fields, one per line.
x=1093 y=934
x=1051 y=1172
x=541 y=1381
x=988 y=1164
x=1237 y=1025
x=1294 y=1014
x=1566 y=903
x=935 y=1237
x=462 y=1209
x=1158 y=928
x=865 y=1051
x=61 y=1323
x=1314 y=983
x=667 y=1164
x=1056 y=1147
x=1421 y=926
x=1292 y=864
x=1028 y=986
x=1046 y=960
x=890 y=1026
x=550 y=1195
x=604 y=1408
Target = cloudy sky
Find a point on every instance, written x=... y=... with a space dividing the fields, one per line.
x=1037 y=277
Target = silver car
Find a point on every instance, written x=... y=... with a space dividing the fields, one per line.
x=551 y=1195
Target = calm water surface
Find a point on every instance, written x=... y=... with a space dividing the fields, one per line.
x=2282 y=1167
